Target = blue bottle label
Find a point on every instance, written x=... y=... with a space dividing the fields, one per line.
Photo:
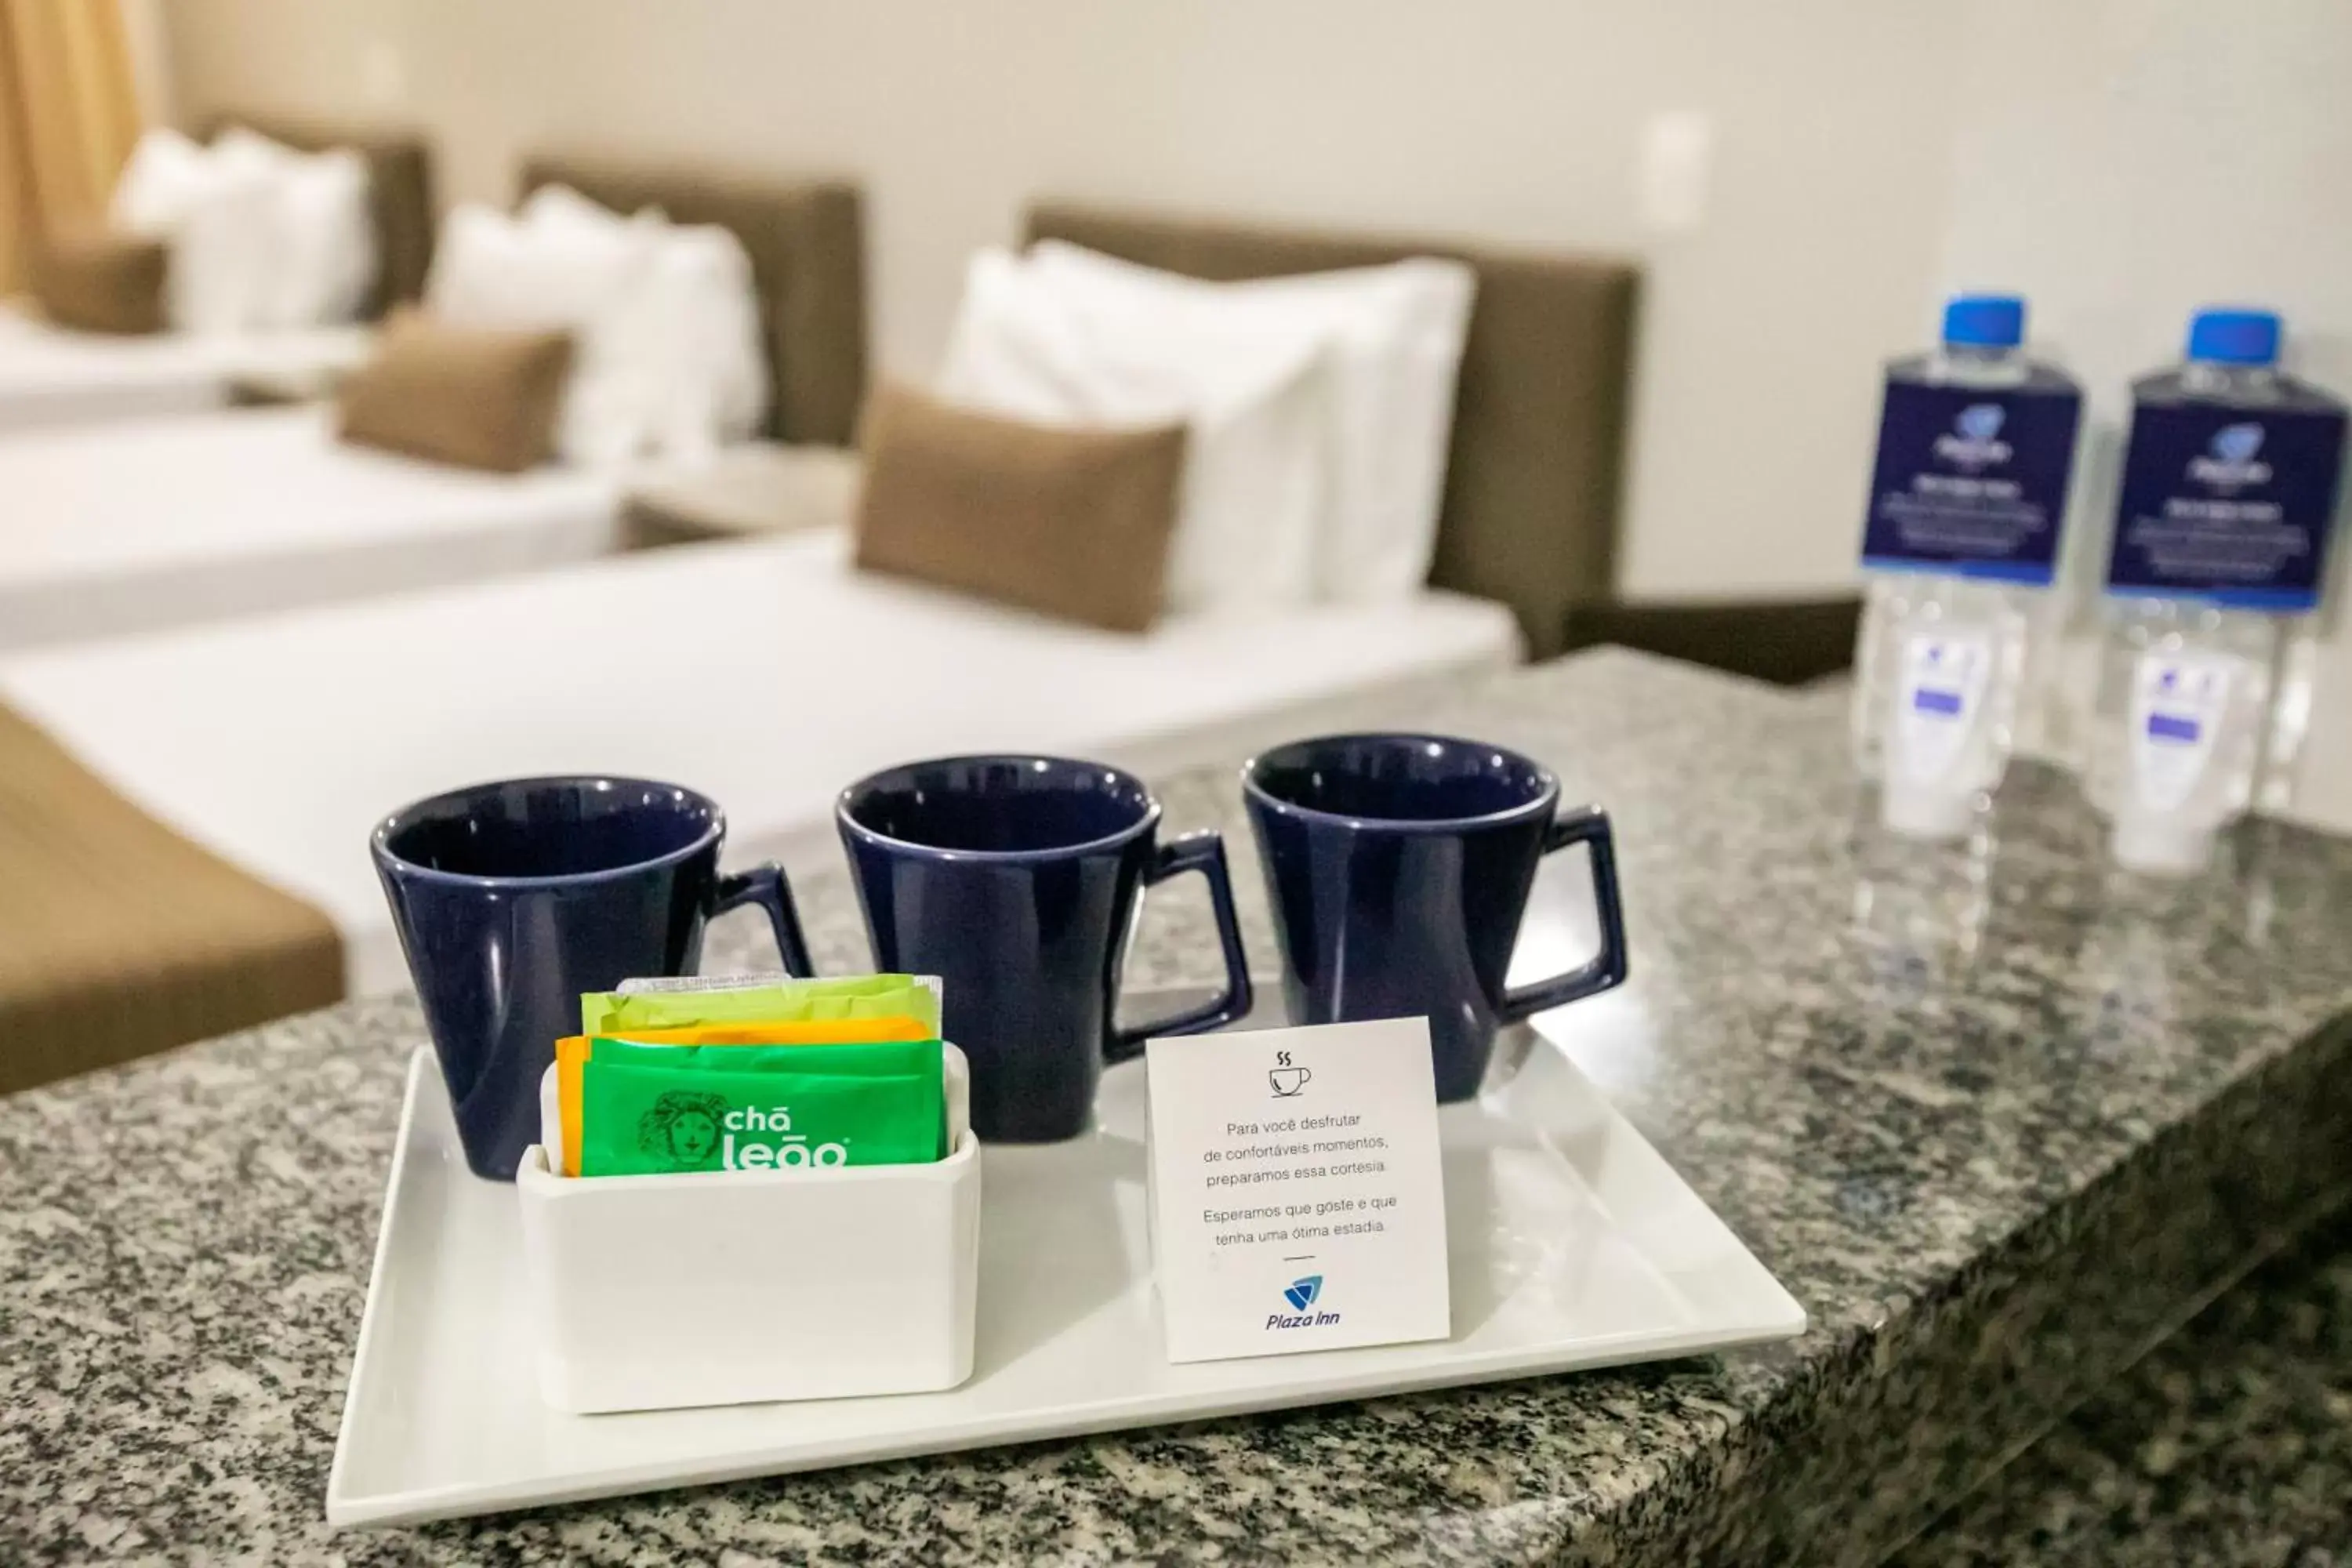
x=2228 y=505
x=1971 y=482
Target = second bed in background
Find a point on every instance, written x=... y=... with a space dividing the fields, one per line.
x=258 y=262
x=141 y=526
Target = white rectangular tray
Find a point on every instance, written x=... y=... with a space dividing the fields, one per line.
x=1571 y=1244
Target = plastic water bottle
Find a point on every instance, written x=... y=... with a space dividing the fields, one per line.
x=1968 y=499
x=2218 y=558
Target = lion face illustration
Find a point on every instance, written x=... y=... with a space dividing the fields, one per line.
x=683 y=1129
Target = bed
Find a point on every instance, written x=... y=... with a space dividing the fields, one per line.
x=51 y=377
x=753 y=701
x=134 y=527
x=270 y=746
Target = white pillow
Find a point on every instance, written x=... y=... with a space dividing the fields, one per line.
x=1257 y=464
x=493 y=271
x=605 y=266
x=1396 y=331
x=682 y=351
x=702 y=279
x=322 y=233
x=165 y=175
x=216 y=218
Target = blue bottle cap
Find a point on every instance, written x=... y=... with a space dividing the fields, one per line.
x=2234 y=337
x=1984 y=321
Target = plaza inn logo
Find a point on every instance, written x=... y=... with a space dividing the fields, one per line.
x=2229 y=459
x=1302 y=1295
x=1974 y=440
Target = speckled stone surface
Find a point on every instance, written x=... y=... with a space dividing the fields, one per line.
x=1999 y=1118
x=2230 y=1446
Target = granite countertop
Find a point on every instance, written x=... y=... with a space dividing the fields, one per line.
x=1999 y=1120
x=2230 y=1446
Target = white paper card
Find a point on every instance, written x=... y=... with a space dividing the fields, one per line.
x=1297 y=1200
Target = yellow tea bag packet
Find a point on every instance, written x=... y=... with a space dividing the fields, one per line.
x=619 y=1014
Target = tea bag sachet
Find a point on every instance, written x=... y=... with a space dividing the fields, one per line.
x=658 y=1109
x=572 y=1054
x=768 y=1073
x=779 y=1000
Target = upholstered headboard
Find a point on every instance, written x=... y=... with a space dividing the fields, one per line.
x=806 y=241
x=400 y=192
x=1530 y=510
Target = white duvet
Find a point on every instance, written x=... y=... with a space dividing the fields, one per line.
x=50 y=377
x=145 y=525
x=767 y=674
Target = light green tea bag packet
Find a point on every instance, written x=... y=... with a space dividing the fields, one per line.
x=773 y=1001
x=661 y=1110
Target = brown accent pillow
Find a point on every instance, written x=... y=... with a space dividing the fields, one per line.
x=1072 y=522
x=119 y=938
x=479 y=397
x=102 y=283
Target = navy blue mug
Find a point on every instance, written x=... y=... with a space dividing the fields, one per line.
x=1399 y=867
x=513 y=898
x=1015 y=880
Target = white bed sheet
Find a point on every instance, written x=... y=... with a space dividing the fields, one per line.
x=768 y=674
x=53 y=376
x=132 y=527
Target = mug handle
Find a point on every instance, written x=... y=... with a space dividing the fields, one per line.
x=1204 y=853
x=1584 y=824
x=764 y=885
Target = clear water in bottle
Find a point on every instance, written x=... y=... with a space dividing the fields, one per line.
x=2218 y=559
x=1967 y=498
x=2184 y=690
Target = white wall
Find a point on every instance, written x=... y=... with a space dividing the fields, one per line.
x=2123 y=162
x=1515 y=120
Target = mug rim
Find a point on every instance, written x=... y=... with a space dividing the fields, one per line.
x=879 y=839
x=1258 y=795
x=379 y=840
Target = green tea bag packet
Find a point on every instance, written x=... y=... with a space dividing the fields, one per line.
x=662 y=1110
x=616 y=1013
x=855 y=1059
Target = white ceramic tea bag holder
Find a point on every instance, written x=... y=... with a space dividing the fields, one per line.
x=730 y=1288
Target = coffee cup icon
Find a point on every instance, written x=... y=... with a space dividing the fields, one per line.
x=1287 y=1081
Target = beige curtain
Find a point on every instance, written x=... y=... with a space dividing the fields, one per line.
x=69 y=115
